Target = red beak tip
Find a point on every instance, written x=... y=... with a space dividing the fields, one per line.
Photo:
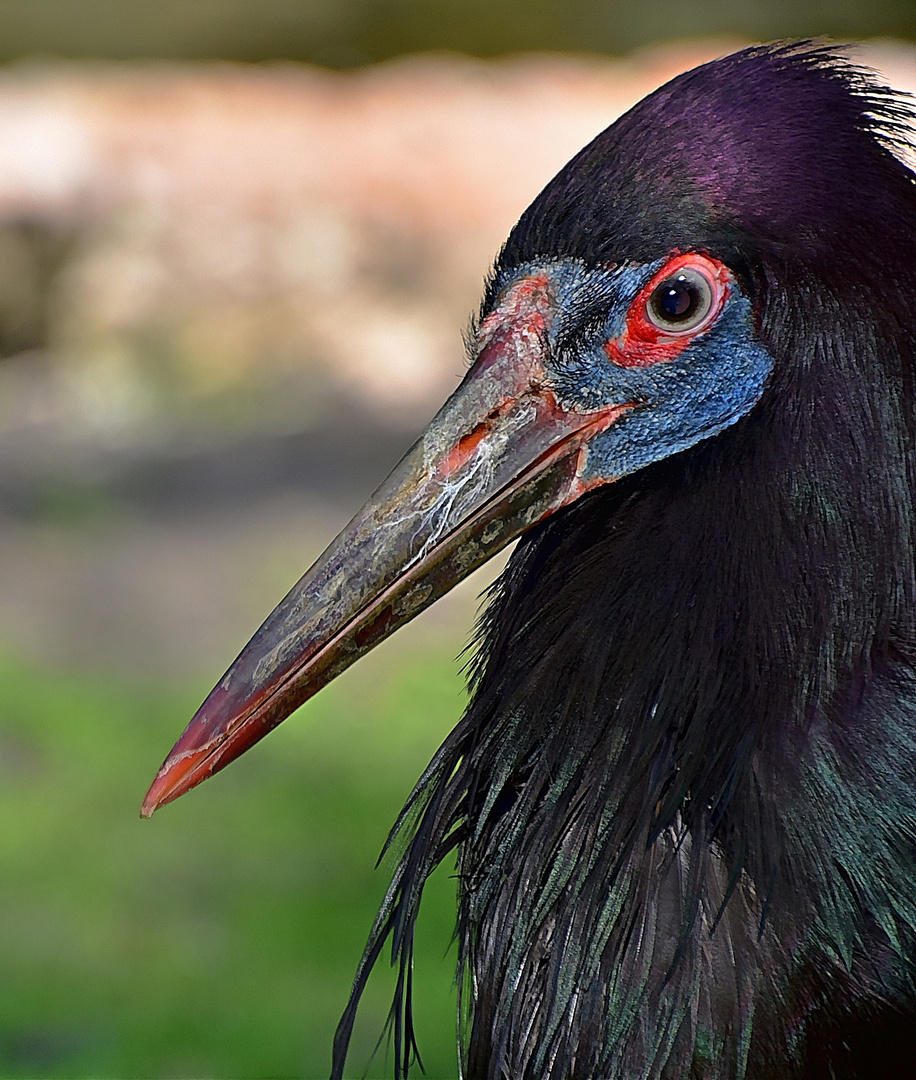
x=156 y=796
x=178 y=774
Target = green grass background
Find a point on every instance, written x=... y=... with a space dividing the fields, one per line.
x=219 y=938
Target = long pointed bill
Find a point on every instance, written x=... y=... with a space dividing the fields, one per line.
x=501 y=455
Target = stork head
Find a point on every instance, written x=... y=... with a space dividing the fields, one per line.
x=629 y=318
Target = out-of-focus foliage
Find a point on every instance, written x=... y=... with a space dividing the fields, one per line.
x=220 y=939
x=344 y=33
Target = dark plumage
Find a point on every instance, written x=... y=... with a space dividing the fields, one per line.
x=684 y=793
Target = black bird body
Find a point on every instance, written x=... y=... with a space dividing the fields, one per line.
x=683 y=796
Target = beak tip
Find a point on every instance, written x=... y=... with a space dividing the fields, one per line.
x=179 y=773
x=155 y=797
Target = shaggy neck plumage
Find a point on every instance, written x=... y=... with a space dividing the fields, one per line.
x=656 y=660
x=651 y=668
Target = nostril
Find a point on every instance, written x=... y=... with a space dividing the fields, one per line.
x=467 y=444
x=464 y=449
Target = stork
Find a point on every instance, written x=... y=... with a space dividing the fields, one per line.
x=683 y=795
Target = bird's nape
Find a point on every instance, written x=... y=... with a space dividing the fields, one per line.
x=683 y=796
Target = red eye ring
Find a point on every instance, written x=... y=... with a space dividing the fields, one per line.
x=679 y=302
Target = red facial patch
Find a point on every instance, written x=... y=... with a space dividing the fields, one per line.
x=643 y=342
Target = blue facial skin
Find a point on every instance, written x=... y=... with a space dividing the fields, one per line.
x=713 y=382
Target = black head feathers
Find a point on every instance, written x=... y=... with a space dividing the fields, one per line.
x=780 y=147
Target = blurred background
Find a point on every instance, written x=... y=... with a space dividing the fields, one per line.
x=239 y=243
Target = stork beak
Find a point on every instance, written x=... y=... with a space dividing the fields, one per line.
x=501 y=455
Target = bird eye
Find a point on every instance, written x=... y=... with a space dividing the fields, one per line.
x=682 y=302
